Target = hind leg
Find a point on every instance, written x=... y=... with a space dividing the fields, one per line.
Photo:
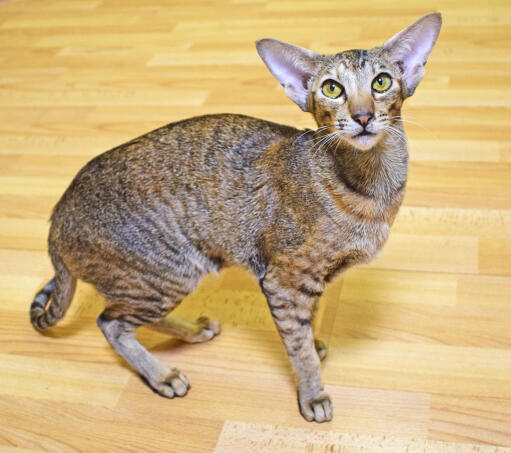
x=140 y=290
x=168 y=382
x=200 y=331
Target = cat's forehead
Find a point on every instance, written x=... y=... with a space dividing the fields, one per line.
x=358 y=62
x=353 y=59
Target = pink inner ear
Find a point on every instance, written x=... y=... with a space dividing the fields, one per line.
x=291 y=65
x=411 y=47
x=287 y=71
x=420 y=48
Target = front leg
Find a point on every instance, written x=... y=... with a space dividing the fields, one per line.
x=293 y=311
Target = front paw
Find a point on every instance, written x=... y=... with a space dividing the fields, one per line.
x=175 y=384
x=318 y=409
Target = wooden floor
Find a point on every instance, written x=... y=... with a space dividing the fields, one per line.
x=420 y=340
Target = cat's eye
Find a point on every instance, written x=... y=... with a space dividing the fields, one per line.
x=381 y=83
x=331 y=89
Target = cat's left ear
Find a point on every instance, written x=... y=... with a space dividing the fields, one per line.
x=410 y=48
x=291 y=65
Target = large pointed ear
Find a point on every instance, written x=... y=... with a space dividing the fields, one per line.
x=292 y=66
x=410 y=48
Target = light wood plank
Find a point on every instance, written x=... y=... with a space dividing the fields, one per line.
x=252 y=438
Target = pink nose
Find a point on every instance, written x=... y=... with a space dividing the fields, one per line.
x=363 y=118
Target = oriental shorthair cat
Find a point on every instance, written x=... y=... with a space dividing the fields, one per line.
x=145 y=221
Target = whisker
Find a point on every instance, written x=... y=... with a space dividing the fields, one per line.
x=402 y=120
x=320 y=142
x=407 y=115
x=313 y=131
x=396 y=134
x=325 y=141
x=335 y=136
x=320 y=138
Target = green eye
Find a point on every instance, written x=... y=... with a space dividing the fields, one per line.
x=381 y=83
x=331 y=89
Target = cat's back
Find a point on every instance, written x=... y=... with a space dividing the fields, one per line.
x=220 y=134
x=193 y=165
x=194 y=147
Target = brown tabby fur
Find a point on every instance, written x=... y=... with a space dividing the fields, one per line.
x=145 y=221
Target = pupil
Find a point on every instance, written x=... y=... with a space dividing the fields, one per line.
x=332 y=87
x=380 y=81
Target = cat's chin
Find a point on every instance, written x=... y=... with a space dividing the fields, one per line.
x=364 y=142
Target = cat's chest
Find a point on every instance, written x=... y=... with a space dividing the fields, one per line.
x=350 y=233
x=352 y=241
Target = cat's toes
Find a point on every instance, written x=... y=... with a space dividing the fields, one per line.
x=321 y=348
x=176 y=384
x=317 y=409
x=207 y=329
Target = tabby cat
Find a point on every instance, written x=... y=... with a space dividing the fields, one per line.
x=145 y=221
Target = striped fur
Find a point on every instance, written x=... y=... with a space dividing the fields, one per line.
x=38 y=307
x=51 y=303
x=145 y=221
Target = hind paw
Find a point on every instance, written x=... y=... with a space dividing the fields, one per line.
x=206 y=330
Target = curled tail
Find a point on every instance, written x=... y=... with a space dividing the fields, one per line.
x=51 y=303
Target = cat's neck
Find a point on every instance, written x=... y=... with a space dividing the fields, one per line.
x=378 y=173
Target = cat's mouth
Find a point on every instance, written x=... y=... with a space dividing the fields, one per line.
x=364 y=140
x=364 y=133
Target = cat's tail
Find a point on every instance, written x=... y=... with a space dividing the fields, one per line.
x=51 y=303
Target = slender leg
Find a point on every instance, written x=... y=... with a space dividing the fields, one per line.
x=121 y=335
x=293 y=312
x=203 y=329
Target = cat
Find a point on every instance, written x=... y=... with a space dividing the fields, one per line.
x=145 y=221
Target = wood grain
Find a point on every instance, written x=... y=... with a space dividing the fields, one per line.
x=420 y=340
x=252 y=438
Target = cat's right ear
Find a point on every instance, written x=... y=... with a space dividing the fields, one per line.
x=291 y=65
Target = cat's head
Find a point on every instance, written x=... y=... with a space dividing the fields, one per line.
x=357 y=93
